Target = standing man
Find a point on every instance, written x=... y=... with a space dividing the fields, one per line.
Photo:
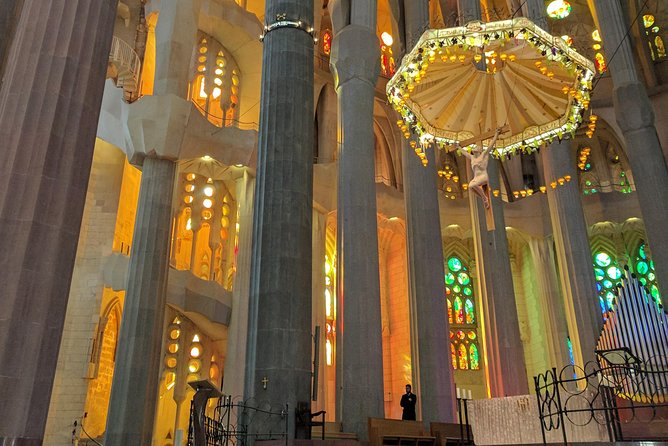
x=408 y=402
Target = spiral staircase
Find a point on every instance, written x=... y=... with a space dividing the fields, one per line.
x=124 y=68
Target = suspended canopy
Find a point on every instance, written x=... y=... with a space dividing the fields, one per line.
x=458 y=83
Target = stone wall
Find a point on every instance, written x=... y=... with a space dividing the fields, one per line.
x=95 y=241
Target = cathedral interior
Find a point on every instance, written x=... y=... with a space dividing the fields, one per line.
x=221 y=190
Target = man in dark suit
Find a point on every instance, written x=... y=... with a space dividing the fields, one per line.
x=408 y=402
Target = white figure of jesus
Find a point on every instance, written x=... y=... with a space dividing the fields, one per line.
x=479 y=158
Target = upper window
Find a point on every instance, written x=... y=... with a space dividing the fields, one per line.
x=215 y=83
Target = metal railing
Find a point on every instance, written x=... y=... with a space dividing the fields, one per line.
x=125 y=57
x=240 y=423
x=613 y=396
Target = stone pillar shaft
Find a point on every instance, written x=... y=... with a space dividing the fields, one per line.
x=280 y=279
x=636 y=119
x=49 y=105
x=505 y=358
x=237 y=338
x=569 y=227
x=355 y=59
x=469 y=10
x=573 y=252
x=431 y=361
x=503 y=346
x=136 y=377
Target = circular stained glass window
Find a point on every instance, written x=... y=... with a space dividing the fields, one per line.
x=472 y=335
x=603 y=259
x=463 y=278
x=449 y=279
x=454 y=264
x=642 y=267
x=467 y=291
x=460 y=335
x=643 y=280
x=614 y=273
x=607 y=283
x=600 y=274
x=651 y=276
x=457 y=289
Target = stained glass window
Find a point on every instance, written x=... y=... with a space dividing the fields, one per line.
x=608 y=276
x=657 y=48
x=461 y=315
x=644 y=269
x=459 y=311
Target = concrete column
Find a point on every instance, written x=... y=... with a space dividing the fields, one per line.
x=132 y=403
x=551 y=302
x=505 y=358
x=355 y=61
x=49 y=105
x=235 y=359
x=10 y=11
x=570 y=235
x=280 y=279
x=636 y=119
x=175 y=35
x=431 y=360
x=469 y=10
x=573 y=252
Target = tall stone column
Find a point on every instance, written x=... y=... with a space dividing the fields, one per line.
x=49 y=106
x=356 y=64
x=136 y=376
x=505 y=357
x=573 y=251
x=235 y=359
x=551 y=302
x=280 y=279
x=468 y=10
x=582 y=311
x=506 y=369
x=636 y=119
x=431 y=360
x=156 y=125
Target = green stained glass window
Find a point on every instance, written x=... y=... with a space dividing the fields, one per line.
x=463 y=278
x=614 y=273
x=643 y=280
x=459 y=311
x=475 y=358
x=454 y=264
x=607 y=283
x=651 y=277
x=642 y=267
x=600 y=274
x=461 y=315
x=610 y=298
x=470 y=311
x=641 y=252
x=655 y=291
x=602 y=259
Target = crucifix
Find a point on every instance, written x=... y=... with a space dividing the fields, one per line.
x=265 y=381
x=479 y=158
